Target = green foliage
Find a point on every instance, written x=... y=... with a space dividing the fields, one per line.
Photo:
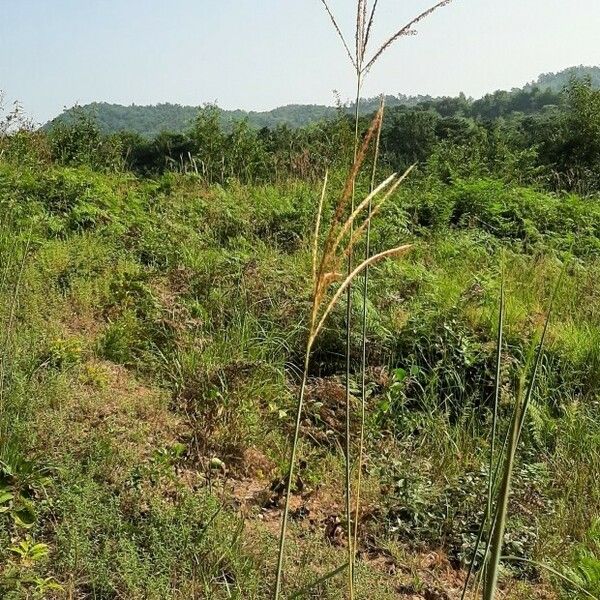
x=586 y=563
x=535 y=135
x=146 y=546
x=64 y=200
x=578 y=147
x=20 y=578
x=516 y=214
x=80 y=142
x=426 y=515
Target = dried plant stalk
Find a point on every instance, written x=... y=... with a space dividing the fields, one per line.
x=326 y=271
x=363 y=362
x=324 y=300
x=403 y=31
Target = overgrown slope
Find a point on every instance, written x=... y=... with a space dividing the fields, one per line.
x=152 y=337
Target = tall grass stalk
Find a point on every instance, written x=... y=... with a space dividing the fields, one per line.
x=327 y=259
x=497 y=386
x=362 y=62
x=493 y=472
x=516 y=428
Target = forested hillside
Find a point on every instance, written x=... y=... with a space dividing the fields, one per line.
x=535 y=136
x=150 y=121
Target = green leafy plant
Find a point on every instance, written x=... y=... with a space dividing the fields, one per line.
x=30 y=552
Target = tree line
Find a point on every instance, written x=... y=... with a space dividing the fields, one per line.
x=531 y=135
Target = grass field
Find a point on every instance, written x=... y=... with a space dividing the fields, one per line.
x=152 y=346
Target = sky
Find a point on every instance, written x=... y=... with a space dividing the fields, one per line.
x=259 y=54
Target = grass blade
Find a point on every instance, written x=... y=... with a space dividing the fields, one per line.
x=306 y=589
x=520 y=412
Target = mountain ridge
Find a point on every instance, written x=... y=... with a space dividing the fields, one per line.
x=151 y=120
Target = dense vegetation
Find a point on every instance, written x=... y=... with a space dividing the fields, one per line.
x=530 y=136
x=153 y=303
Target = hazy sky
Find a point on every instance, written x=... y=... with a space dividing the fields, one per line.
x=258 y=54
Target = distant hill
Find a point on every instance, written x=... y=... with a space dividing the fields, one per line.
x=152 y=120
x=557 y=81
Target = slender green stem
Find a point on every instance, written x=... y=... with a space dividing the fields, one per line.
x=483 y=572
x=496 y=392
x=292 y=462
x=491 y=580
x=363 y=365
x=348 y=473
x=484 y=521
x=520 y=413
x=491 y=479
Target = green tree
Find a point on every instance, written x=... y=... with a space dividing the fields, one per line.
x=209 y=143
x=79 y=141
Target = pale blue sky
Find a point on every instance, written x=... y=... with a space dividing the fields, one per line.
x=258 y=54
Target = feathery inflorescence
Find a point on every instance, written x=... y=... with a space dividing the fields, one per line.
x=326 y=266
x=365 y=19
x=343 y=235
